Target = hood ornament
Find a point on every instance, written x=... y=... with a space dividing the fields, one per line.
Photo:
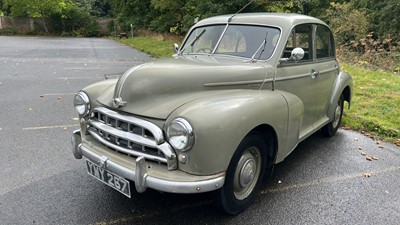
x=118 y=102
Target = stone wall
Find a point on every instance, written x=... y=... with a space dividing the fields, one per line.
x=22 y=24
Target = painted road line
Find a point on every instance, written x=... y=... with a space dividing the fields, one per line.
x=50 y=127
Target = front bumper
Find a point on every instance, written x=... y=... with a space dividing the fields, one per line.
x=139 y=171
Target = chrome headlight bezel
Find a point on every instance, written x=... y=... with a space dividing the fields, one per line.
x=180 y=134
x=82 y=103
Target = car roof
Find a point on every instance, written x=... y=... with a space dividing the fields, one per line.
x=283 y=20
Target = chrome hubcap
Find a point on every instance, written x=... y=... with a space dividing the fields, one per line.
x=247 y=173
x=336 y=119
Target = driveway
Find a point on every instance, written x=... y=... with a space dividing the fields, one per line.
x=347 y=179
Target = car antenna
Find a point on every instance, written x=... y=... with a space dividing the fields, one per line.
x=230 y=18
x=226 y=27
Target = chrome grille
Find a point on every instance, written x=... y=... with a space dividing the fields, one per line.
x=130 y=135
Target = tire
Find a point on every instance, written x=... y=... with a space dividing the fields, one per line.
x=330 y=129
x=244 y=175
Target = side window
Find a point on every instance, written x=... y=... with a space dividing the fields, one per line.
x=301 y=37
x=324 y=43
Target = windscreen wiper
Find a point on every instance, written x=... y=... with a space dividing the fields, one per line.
x=263 y=43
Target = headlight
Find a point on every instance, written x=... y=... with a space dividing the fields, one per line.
x=180 y=134
x=81 y=103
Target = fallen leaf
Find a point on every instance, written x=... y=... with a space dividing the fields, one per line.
x=367 y=175
x=279 y=182
x=42 y=96
x=381 y=146
x=65 y=128
x=369 y=158
x=368 y=134
x=360 y=148
x=378 y=142
x=374 y=158
x=356 y=139
x=363 y=153
x=58 y=98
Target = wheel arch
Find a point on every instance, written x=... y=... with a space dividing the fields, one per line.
x=343 y=85
x=347 y=95
x=269 y=136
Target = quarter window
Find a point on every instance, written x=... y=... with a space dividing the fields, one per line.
x=324 y=43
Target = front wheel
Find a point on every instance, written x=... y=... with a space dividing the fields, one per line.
x=330 y=129
x=244 y=175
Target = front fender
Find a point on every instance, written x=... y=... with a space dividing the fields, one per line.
x=221 y=121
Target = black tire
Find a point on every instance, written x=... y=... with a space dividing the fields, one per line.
x=330 y=129
x=244 y=175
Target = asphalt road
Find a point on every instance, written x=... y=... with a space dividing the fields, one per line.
x=324 y=181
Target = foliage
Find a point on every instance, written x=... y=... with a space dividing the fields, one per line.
x=346 y=23
x=74 y=17
x=349 y=18
x=382 y=15
x=154 y=44
x=374 y=107
x=8 y=31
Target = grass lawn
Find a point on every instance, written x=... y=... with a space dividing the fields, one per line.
x=375 y=108
x=156 y=46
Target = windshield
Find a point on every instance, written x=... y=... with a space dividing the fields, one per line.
x=239 y=40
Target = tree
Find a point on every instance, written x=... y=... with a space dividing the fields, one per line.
x=38 y=8
x=382 y=15
x=347 y=23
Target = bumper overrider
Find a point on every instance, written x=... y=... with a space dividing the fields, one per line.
x=166 y=180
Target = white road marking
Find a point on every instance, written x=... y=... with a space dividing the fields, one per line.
x=50 y=127
x=329 y=180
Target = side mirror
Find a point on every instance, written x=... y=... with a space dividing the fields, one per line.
x=297 y=54
x=176 y=48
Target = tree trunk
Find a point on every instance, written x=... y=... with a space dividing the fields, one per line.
x=45 y=26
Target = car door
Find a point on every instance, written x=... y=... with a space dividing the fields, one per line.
x=327 y=70
x=298 y=77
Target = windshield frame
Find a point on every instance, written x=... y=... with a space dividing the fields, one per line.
x=187 y=41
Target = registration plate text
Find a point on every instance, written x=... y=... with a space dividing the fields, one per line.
x=118 y=183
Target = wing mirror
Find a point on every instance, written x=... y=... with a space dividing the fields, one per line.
x=176 y=48
x=296 y=55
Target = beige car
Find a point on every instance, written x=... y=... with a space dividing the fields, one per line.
x=237 y=97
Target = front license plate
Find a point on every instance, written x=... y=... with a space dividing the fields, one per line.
x=118 y=183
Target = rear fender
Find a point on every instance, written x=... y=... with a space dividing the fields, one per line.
x=343 y=85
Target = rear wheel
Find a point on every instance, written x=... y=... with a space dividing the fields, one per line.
x=330 y=129
x=244 y=175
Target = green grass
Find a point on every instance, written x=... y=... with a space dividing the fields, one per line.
x=157 y=46
x=375 y=107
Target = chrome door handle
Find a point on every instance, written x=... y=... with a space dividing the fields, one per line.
x=314 y=74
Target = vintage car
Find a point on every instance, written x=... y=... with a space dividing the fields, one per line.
x=238 y=96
